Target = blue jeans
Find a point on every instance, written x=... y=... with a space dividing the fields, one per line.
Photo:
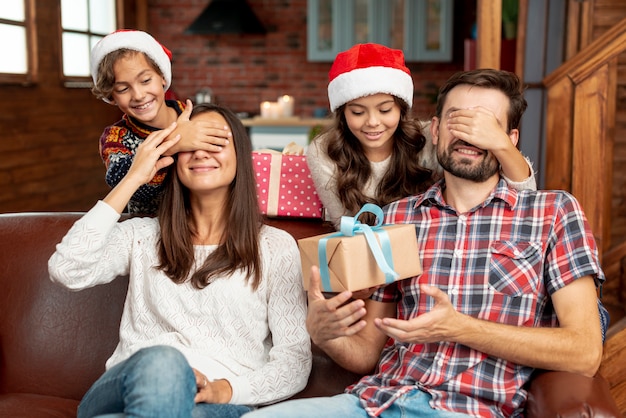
x=413 y=404
x=154 y=382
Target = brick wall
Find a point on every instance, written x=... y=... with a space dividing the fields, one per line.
x=243 y=70
x=49 y=158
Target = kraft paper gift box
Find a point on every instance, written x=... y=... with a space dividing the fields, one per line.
x=284 y=186
x=352 y=262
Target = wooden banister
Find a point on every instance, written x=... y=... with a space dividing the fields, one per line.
x=489 y=31
x=580 y=124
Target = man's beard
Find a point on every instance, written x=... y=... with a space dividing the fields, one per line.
x=467 y=168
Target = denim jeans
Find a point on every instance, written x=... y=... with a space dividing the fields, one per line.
x=154 y=382
x=413 y=404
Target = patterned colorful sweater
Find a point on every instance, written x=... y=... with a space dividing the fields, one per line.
x=118 y=145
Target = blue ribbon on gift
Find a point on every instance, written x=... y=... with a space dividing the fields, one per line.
x=350 y=226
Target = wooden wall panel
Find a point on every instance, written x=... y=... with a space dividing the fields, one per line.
x=592 y=76
x=592 y=150
x=559 y=166
x=605 y=14
x=49 y=143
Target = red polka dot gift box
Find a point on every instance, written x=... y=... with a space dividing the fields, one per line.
x=284 y=186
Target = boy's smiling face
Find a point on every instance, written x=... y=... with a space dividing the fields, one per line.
x=139 y=89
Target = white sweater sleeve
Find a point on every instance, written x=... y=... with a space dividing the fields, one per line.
x=529 y=184
x=289 y=362
x=94 y=251
x=323 y=175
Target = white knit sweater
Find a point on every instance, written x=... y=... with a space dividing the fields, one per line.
x=257 y=340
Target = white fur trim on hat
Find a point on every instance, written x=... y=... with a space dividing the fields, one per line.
x=136 y=41
x=363 y=82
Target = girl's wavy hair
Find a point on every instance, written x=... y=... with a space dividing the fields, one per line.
x=405 y=176
x=239 y=248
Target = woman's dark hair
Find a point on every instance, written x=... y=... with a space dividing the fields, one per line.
x=504 y=81
x=405 y=176
x=239 y=248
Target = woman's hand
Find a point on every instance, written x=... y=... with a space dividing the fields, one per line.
x=148 y=159
x=217 y=391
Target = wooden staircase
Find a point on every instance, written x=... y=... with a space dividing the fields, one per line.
x=580 y=132
x=580 y=129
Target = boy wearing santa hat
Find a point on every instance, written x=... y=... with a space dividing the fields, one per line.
x=133 y=71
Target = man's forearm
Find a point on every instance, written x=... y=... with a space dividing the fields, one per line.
x=545 y=348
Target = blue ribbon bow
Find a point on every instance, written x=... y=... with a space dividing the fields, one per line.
x=351 y=226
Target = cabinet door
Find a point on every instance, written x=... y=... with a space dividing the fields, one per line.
x=428 y=32
x=421 y=28
x=335 y=25
x=324 y=29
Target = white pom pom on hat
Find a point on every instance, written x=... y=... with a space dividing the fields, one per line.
x=367 y=69
x=135 y=40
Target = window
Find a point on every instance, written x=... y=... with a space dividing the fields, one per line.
x=84 y=23
x=17 y=42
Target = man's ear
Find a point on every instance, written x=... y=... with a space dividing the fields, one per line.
x=514 y=135
x=434 y=129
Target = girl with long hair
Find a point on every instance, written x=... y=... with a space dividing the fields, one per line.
x=376 y=151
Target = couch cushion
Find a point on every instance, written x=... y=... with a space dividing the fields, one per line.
x=52 y=341
x=19 y=405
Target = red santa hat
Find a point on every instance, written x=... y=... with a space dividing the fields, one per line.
x=137 y=41
x=367 y=69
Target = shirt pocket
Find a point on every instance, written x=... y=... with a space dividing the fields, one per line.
x=515 y=267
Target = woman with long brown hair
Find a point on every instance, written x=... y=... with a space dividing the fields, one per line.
x=213 y=323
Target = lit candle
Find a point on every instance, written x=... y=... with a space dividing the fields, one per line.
x=286 y=105
x=275 y=110
x=266 y=109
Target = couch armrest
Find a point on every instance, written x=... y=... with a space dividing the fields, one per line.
x=569 y=395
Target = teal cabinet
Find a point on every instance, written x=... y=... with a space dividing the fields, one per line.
x=421 y=28
x=266 y=133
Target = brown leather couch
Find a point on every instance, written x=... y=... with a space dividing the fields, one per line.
x=54 y=343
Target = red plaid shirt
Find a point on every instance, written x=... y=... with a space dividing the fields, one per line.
x=499 y=262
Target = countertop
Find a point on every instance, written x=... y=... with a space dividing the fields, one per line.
x=292 y=121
